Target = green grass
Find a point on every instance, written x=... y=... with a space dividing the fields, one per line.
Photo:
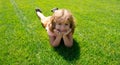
x=23 y=40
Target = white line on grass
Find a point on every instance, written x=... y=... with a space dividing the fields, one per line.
x=22 y=18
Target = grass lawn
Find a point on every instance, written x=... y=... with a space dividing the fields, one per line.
x=23 y=40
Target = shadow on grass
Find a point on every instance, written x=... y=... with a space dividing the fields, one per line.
x=69 y=54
